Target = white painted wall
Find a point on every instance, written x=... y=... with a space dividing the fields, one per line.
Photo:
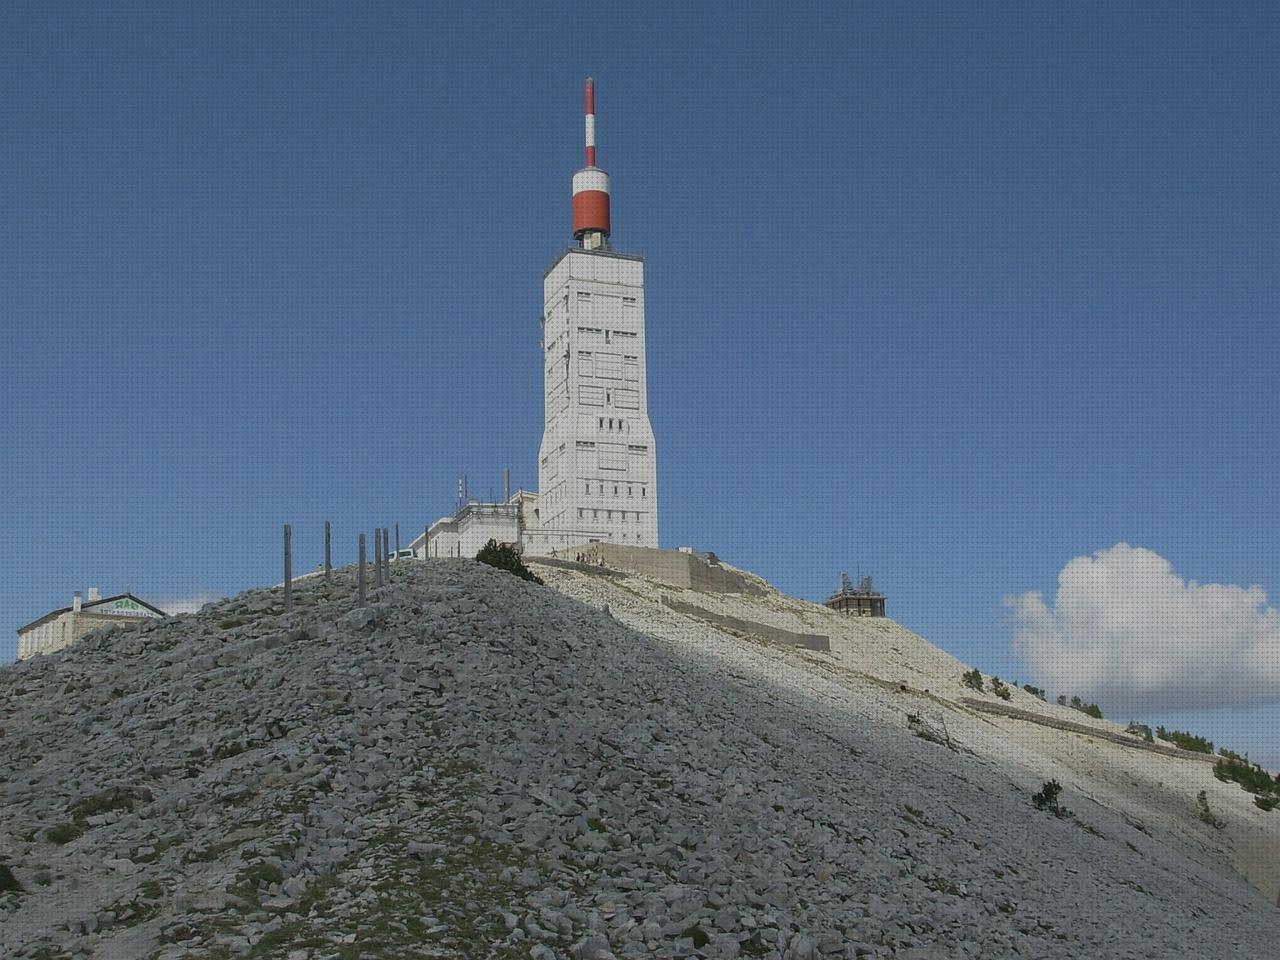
x=597 y=463
x=68 y=627
x=474 y=526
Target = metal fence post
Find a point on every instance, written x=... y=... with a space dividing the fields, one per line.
x=386 y=555
x=360 y=576
x=288 y=569
x=377 y=556
x=397 y=541
x=425 y=543
x=328 y=555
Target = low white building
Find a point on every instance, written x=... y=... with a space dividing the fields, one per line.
x=59 y=628
x=463 y=534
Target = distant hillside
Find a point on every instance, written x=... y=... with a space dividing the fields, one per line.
x=477 y=766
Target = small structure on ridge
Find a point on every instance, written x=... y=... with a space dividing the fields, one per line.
x=861 y=602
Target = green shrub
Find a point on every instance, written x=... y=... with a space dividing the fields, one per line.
x=1000 y=690
x=1206 y=815
x=1140 y=730
x=1047 y=799
x=699 y=937
x=1187 y=741
x=8 y=882
x=1091 y=709
x=1252 y=777
x=973 y=679
x=1034 y=691
x=505 y=557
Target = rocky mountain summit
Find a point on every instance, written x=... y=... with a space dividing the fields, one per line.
x=477 y=766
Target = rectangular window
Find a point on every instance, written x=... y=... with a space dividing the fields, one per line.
x=612 y=457
x=608 y=366
x=591 y=396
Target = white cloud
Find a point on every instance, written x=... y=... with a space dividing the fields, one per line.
x=1126 y=631
x=188 y=604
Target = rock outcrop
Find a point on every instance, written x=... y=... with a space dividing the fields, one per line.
x=475 y=766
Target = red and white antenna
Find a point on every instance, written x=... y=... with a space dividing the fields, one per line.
x=590 y=185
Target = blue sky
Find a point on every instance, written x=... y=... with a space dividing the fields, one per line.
x=953 y=294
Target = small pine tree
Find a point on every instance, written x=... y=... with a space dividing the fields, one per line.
x=973 y=679
x=1047 y=798
x=505 y=557
x=1206 y=815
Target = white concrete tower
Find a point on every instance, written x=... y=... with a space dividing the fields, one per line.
x=597 y=466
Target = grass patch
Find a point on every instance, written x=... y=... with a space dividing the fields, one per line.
x=108 y=801
x=65 y=833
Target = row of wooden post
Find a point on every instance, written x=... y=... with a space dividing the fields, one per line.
x=381 y=560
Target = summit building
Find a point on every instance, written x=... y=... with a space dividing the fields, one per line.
x=596 y=465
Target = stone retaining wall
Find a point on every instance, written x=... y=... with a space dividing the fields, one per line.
x=810 y=641
x=1120 y=738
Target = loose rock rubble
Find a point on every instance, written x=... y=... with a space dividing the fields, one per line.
x=475 y=766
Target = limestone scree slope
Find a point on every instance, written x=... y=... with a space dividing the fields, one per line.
x=476 y=766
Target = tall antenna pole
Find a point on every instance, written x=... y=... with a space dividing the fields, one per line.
x=589 y=108
x=590 y=184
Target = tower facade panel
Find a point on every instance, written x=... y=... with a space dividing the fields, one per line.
x=597 y=464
